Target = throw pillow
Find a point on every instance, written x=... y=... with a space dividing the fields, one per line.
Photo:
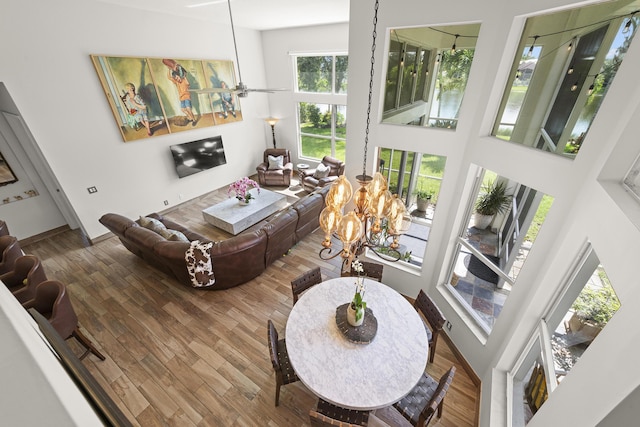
x=322 y=171
x=275 y=162
x=152 y=224
x=174 y=235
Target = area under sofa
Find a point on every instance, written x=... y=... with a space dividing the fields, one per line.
x=234 y=261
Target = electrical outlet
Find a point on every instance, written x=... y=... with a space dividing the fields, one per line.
x=448 y=325
x=92 y=190
x=166 y=203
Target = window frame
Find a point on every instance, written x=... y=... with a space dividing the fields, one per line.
x=334 y=100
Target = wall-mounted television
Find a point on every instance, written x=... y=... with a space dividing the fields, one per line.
x=196 y=156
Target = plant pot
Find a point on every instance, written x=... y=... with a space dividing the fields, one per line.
x=243 y=202
x=584 y=328
x=481 y=221
x=351 y=316
x=422 y=204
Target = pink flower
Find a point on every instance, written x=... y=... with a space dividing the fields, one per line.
x=241 y=188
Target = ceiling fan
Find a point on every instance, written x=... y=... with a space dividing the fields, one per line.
x=241 y=90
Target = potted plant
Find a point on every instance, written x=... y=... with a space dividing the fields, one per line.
x=357 y=307
x=493 y=200
x=240 y=189
x=593 y=308
x=422 y=199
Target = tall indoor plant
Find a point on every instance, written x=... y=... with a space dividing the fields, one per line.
x=493 y=200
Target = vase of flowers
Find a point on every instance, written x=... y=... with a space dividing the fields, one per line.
x=241 y=188
x=357 y=307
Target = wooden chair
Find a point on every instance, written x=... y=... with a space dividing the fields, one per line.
x=11 y=251
x=371 y=270
x=304 y=282
x=435 y=320
x=27 y=273
x=427 y=397
x=327 y=414
x=280 y=360
x=52 y=301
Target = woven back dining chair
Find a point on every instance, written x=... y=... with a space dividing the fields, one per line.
x=434 y=317
x=371 y=270
x=304 y=282
x=425 y=399
x=327 y=414
x=280 y=360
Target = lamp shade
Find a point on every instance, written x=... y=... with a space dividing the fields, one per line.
x=272 y=121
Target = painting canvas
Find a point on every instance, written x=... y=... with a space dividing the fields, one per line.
x=6 y=174
x=158 y=96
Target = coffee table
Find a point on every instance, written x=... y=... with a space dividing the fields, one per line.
x=234 y=217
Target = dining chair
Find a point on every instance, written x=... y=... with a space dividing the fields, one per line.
x=11 y=251
x=435 y=320
x=280 y=360
x=327 y=414
x=304 y=282
x=27 y=273
x=371 y=270
x=52 y=301
x=427 y=397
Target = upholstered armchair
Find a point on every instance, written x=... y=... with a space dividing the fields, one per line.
x=275 y=170
x=325 y=173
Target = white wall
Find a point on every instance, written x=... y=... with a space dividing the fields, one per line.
x=47 y=71
x=582 y=211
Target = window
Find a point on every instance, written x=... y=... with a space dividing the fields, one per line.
x=408 y=173
x=562 y=337
x=518 y=92
x=323 y=130
x=493 y=245
x=453 y=73
x=321 y=88
x=322 y=74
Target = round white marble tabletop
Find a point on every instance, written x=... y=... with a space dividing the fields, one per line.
x=350 y=375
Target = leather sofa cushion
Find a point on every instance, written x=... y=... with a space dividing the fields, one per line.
x=281 y=234
x=239 y=259
x=308 y=210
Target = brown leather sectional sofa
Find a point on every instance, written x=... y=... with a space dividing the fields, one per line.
x=235 y=260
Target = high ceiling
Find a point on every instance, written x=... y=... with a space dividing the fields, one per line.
x=255 y=14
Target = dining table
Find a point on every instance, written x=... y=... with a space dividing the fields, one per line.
x=351 y=373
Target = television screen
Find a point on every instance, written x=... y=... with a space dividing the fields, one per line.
x=196 y=156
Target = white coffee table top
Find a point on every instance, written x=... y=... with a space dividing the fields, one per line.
x=356 y=376
x=234 y=217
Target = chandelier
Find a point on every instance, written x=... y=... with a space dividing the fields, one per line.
x=379 y=218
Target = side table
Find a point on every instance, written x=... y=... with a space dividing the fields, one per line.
x=301 y=167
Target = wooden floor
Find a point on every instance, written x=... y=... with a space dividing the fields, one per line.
x=177 y=356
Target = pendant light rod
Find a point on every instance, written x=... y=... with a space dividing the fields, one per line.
x=364 y=177
x=235 y=47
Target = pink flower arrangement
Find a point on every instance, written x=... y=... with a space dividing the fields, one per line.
x=241 y=189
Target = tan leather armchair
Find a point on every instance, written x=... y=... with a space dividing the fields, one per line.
x=275 y=175
x=312 y=180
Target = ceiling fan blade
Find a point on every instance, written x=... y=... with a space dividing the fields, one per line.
x=266 y=90
x=212 y=90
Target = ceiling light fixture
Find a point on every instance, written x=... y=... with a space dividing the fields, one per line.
x=378 y=218
x=453 y=48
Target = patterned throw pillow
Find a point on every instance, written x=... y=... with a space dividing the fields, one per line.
x=322 y=171
x=174 y=235
x=152 y=224
x=275 y=162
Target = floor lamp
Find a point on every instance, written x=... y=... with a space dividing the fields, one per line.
x=272 y=122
